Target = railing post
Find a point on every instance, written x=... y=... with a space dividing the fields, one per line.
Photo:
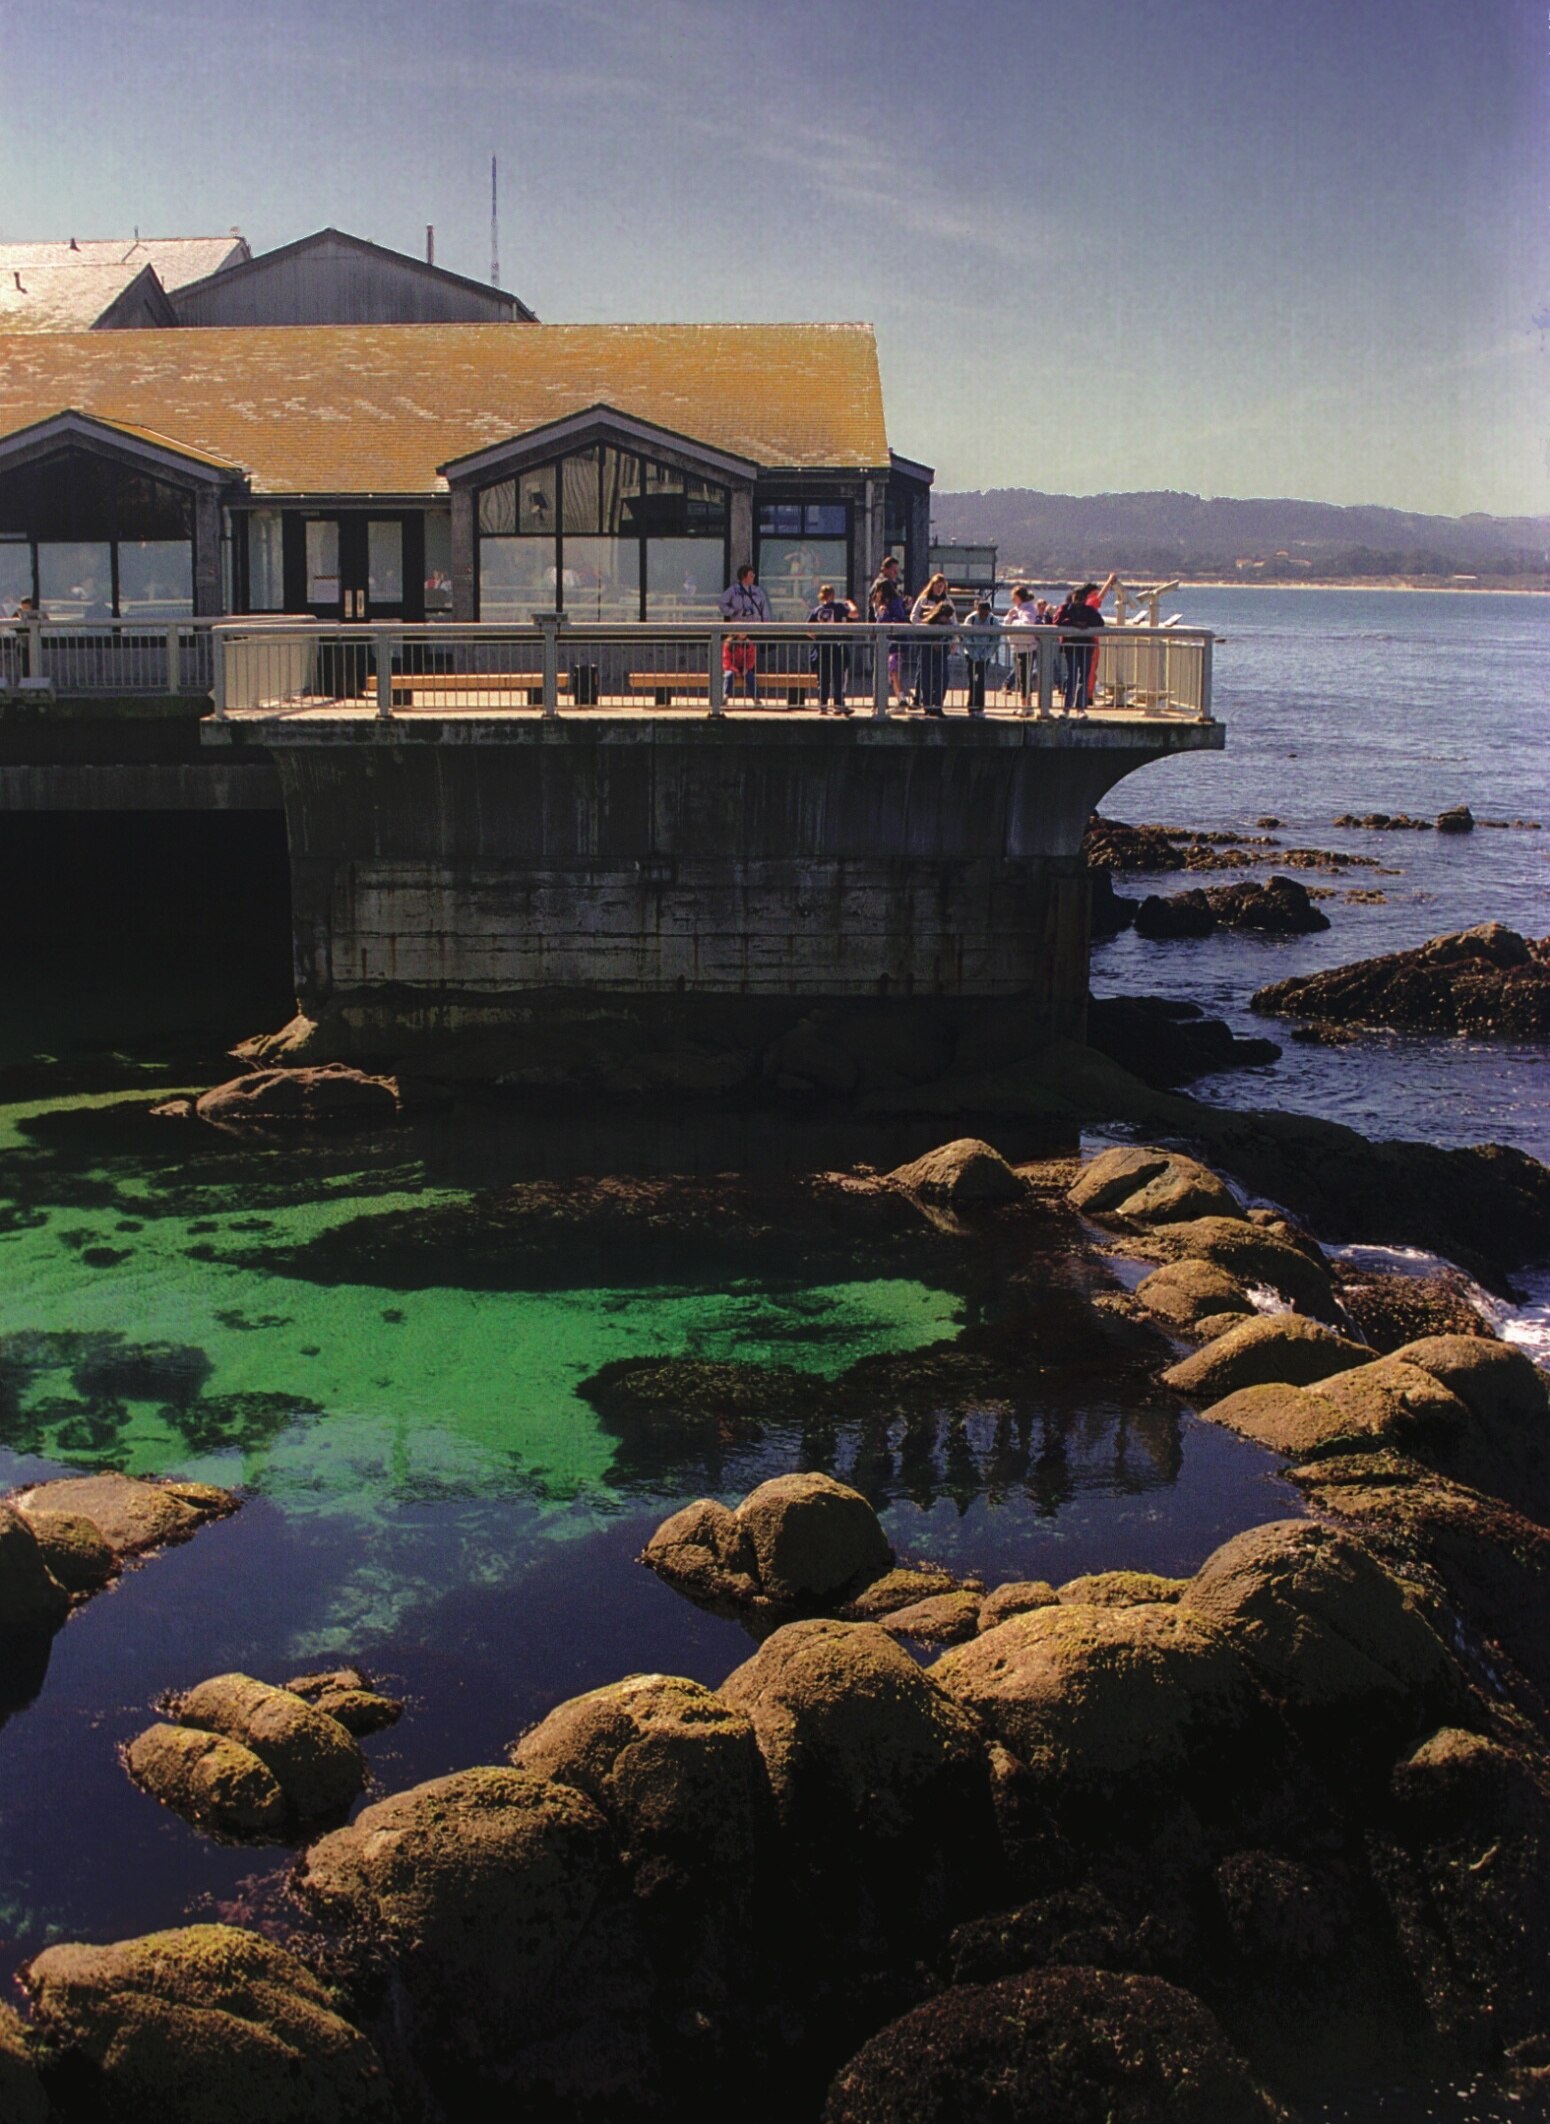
x=716 y=678
x=549 y=625
x=382 y=646
x=880 y=674
x=1047 y=640
x=35 y=649
x=218 y=672
x=174 y=658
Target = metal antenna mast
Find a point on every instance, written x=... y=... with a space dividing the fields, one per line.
x=495 y=230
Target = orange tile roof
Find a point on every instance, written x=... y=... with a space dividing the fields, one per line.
x=374 y=409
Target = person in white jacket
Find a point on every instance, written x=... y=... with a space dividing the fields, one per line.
x=743 y=600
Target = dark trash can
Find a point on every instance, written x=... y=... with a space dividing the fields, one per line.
x=586 y=685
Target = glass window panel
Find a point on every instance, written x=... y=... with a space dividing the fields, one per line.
x=155 y=578
x=825 y=520
x=622 y=484
x=148 y=509
x=16 y=501
x=516 y=578
x=536 y=511
x=384 y=561
x=781 y=519
x=705 y=509
x=75 y=579
x=498 y=508
x=602 y=579
x=438 y=563
x=683 y=579
x=15 y=574
x=791 y=569
x=579 y=492
x=266 y=563
x=322 y=561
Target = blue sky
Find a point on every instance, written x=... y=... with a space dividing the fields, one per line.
x=1226 y=246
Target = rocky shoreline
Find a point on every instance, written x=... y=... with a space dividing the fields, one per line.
x=1124 y=1846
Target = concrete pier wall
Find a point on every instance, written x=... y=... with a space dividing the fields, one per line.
x=453 y=869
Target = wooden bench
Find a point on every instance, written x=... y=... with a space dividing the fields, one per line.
x=523 y=686
x=665 y=686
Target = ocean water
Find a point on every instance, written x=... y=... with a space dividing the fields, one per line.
x=424 y=1488
x=1365 y=701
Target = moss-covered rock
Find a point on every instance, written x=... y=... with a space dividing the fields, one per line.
x=32 y=1601
x=1296 y=1421
x=74 y=1550
x=317 y=1763
x=943 y=1619
x=1151 y=1187
x=1185 y=1293
x=1384 y=1404
x=1098 y=1697
x=1264 y=1351
x=1019 y=1596
x=1321 y=1623
x=214 y=1782
x=1248 y=1253
x=795 y=1544
x=902 y=1587
x=1210 y=1325
x=208 y=2025
x=22 y=2100
x=961 y=1174
x=676 y=1769
x=131 y=1515
x=346 y=1694
x=858 y=1740
x=1120 y=1589
x=1058 y=2046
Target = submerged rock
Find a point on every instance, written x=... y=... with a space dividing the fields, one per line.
x=1163 y=1043
x=1059 y=2046
x=208 y=2025
x=1488 y=981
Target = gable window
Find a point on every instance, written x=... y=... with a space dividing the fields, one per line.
x=801 y=546
x=93 y=539
x=605 y=535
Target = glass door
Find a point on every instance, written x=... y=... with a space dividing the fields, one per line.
x=355 y=568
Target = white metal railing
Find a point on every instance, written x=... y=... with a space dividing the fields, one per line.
x=285 y=666
x=107 y=656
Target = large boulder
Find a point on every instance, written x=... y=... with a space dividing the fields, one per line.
x=1120 y=1589
x=22 y=2100
x=74 y=1549
x=316 y=1762
x=1095 y=1697
x=332 y=1093
x=1180 y=914
x=1277 y=906
x=1295 y=1421
x=1018 y=1596
x=497 y=1900
x=961 y=1174
x=1251 y=1254
x=1323 y=1626
x=207 y=2025
x=795 y=1544
x=1281 y=1349
x=346 y=1694
x=859 y=1742
x=214 y=1782
x=1489 y=982
x=1186 y=1294
x=131 y=1515
x=675 y=1768
x=1499 y=1385
x=1058 y=2046
x=1151 y=1186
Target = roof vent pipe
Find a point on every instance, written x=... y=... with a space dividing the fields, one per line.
x=18 y=280
x=430 y=243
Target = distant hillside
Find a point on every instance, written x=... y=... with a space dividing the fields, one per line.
x=1161 y=534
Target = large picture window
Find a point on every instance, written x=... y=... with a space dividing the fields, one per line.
x=604 y=535
x=93 y=539
x=801 y=546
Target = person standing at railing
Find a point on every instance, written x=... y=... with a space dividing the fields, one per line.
x=831 y=660
x=1080 y=616
x=889 y=610
x=933 y=608
x=743 y=600
x=1022 y=612
x=979 y=649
